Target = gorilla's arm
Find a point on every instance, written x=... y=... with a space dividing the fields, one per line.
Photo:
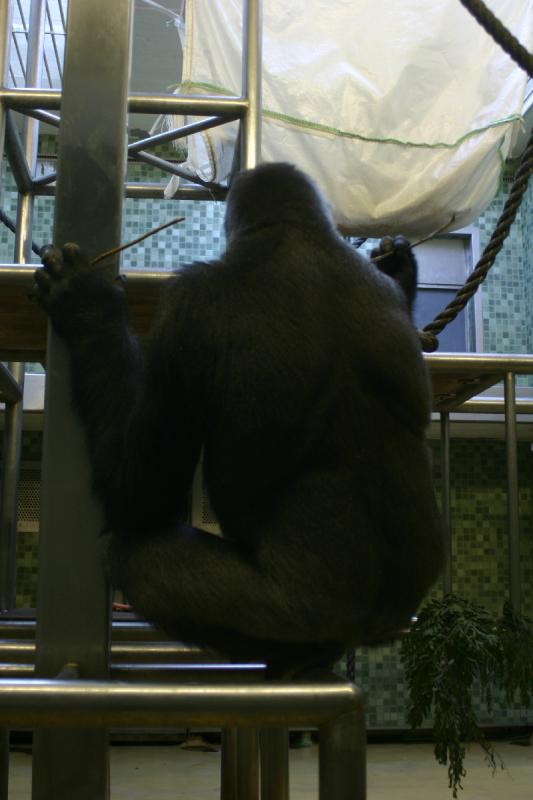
x=396 y=259
x=142 y=468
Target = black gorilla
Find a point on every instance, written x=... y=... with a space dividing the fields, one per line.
x=293 y=362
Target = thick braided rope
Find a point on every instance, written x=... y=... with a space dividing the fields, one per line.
x=350 y=665
x=428 y=335
x=500 y=34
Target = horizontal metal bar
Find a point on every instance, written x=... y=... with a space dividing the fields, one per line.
x=19 y=99
x=483 y=363
x=196 y=105
x=489 y=405
x=132 y=630
x=150 y=191
x=10 y=391
x=156 y=192
x=179 y=133
x=23 y=651
x=104 y=704
x=159 y=673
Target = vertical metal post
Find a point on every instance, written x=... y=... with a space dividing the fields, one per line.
x=9 y=494
x=30 y=130
x=13 y=426
x=512 y=493
x=4 y=763
x=247 y=764
x=446 y=499
x=251 y=83
x=6 y=24
x=228 y=768
x=73 y=595
x=275 y=764
x=22 y=255
x=342 y=758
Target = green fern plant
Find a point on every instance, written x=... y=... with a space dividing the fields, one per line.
x=454 y=647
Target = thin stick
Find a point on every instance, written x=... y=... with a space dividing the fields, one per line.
x=135 y=241
x=420 y=241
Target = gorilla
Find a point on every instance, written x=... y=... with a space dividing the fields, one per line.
x=292 y=362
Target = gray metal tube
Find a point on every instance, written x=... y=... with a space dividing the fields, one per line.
x=4 y=763
x=23 y=651
x=228 y=765
x=30 y=131
x=43 y=116
x=275 y=764
x=153 y=191
x=179 y=133
x=342 y=758
x=479 y=363
x=10 y=389
x=6 y=24
x=204 y=106
x=16 y=156
x=247 y=764
x=446 y=498
x=103 y=704
x=9 y=493
x=74 y=603
x=252 y=83
x=166 y=166
x=515 y=591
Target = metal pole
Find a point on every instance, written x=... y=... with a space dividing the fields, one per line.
x=247 y=764
x=446 y=499
x=512 y=492
x=275 y=764
x=9 y=495
x=182 y=105
x=342 y=758
x=251 y=83
x=73 y=595
x=101 y=704
x=30 y=130
x=4 y=763
x=6 y=24
x=228 y=766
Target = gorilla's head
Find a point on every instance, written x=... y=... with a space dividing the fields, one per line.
x=272 y=193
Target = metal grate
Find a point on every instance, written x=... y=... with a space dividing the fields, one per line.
x=29 y=501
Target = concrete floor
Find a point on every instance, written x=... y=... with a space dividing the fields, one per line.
x=402 y=772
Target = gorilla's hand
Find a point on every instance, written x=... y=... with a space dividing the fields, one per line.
x=395 y=258
x=76 y=296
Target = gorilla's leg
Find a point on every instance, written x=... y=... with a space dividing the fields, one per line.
x=208 y=591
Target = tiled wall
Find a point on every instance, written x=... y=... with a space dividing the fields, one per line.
x=478 y=467
x=506 y=311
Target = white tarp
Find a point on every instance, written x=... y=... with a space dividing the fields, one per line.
x=401 y=111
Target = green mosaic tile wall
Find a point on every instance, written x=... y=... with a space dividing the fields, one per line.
x=199 y=236
x=506 y=311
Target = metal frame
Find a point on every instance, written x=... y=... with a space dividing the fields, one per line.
x=335 y=706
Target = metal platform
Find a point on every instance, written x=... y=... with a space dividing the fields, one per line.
x=456 y=378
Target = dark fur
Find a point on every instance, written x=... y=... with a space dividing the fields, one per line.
x=292 y=361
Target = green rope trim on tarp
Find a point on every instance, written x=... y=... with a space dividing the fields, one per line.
x=330 y=130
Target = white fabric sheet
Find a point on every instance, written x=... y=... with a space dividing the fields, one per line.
x=401 y=111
